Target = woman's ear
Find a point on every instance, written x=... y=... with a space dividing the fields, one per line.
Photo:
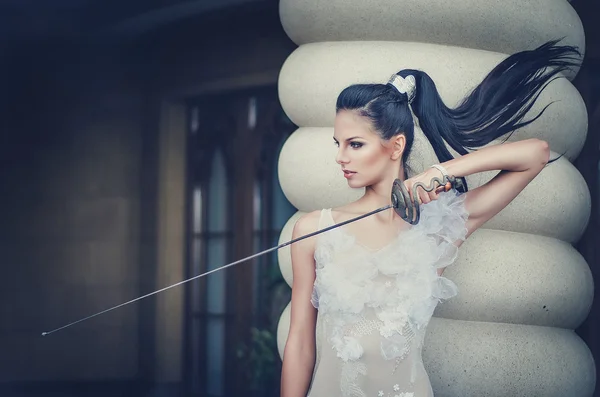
x=398 y=145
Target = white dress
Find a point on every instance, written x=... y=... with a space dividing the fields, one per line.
x=374 y=305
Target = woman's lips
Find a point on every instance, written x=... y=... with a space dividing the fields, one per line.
x=348 y=174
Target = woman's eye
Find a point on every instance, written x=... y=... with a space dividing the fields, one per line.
x=336 y=143
x=355 y=145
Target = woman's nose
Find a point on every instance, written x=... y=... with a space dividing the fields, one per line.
x=340 y=158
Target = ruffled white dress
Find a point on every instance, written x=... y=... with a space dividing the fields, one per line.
x=374 y=306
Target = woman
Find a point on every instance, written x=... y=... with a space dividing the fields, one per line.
x=376 y=282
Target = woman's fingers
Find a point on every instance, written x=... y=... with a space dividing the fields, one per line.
x=433 y=195
x=424 y=196
x=410 y=188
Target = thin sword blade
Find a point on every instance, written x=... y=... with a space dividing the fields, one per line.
x=222 y=267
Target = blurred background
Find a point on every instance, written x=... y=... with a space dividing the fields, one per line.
x=139 y=147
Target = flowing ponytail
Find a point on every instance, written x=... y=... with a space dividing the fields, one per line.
x=495 y=108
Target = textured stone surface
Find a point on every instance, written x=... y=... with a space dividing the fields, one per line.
x=476 y=359
x=283 y=328
x=509 y=277
x=555 y=204
x=319 y=170
x=314 y=75
x=507 y=26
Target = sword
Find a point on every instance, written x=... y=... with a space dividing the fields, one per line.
x=401 y=202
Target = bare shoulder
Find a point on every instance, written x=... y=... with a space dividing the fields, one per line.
x=307 y=223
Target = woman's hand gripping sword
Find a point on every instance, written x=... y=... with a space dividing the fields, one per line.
x=401 y=202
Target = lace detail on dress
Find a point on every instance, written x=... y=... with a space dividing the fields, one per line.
x=348 y=384
x=351 y=369
x=398 y=346
x=393 y=290
x=364 y=327
x=395 y=393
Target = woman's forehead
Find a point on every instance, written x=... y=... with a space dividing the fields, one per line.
x=349 y=123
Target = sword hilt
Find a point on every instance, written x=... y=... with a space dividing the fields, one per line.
x=410 y=211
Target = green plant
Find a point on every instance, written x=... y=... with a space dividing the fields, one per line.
x=259 y=360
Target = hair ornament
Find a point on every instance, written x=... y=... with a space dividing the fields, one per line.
x=405 y=85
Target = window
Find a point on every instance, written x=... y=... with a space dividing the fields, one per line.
x=236 y=208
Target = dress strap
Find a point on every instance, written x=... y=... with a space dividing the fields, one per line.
x=322 y=250
x=326 y=219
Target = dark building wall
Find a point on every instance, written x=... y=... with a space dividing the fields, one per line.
x=215 y=52
x=79 y=170
x=69 y=236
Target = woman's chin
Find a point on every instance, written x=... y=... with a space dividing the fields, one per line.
x=355 y=184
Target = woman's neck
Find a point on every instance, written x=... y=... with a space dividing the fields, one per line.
x=380 y=194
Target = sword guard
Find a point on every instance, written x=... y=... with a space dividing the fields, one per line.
x=410 y=211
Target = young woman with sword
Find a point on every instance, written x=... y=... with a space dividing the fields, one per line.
x=375 y=283
x=375 y=277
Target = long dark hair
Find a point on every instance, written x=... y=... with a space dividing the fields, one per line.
x=495 y=108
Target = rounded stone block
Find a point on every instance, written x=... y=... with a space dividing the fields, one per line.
x=313 y=76
x=477 y=359
x=509 y=277
x=283 y=329
x=555 y=204
x=308 y=174
x=508 y=26
x=284 y=256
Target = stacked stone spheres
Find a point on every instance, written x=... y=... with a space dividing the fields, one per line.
x=523 y=288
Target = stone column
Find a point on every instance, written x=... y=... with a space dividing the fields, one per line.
x=523 y=288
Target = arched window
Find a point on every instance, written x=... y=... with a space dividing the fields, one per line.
x=236 y=208
x=216 y=255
